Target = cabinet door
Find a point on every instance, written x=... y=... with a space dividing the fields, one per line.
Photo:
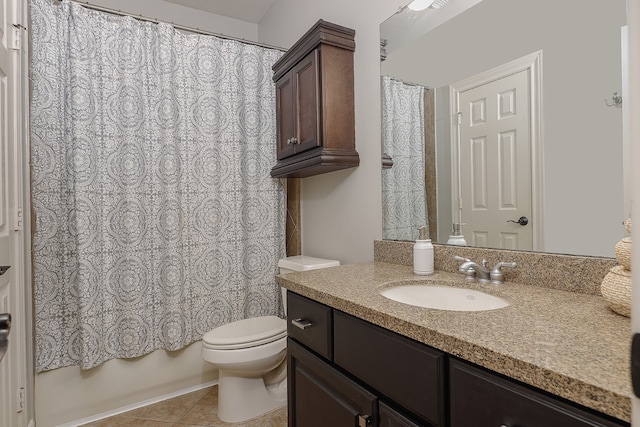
x=479 y=399
x=307 y=100
x=320 y=396
x=285 y=110
x=406 y=372
x=392 y=418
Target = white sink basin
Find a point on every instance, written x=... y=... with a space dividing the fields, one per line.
x=444 y=298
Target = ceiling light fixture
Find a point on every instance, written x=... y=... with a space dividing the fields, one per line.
x=418 y=5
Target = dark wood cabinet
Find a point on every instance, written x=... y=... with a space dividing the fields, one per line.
x=311 y=324
x=297 y=94
x=346 y=372
x=320 y=396
x=340 y=373
x=315 y=103
x=389 y=417
x=480 y=398
x=406 y=372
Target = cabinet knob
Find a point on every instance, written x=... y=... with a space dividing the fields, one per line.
x=294 y=140
x=364 y=420
x=289 y=141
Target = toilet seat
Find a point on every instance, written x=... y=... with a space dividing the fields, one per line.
x=245 y=333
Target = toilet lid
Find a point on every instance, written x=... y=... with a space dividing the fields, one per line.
x=246 y=333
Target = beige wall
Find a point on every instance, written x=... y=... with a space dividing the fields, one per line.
x=342 y=211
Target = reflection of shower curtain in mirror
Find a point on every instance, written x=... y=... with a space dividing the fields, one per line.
x=403 y=185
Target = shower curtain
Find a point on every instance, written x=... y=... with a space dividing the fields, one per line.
x=156 y=216
x=403 y=138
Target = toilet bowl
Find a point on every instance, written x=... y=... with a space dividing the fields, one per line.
x=250 y=355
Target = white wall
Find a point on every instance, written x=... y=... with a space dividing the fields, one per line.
x=69 y=394
x=181 y=15
x=582 y=138
x=342 y=211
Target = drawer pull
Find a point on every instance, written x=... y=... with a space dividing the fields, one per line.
x=364 y=420
x=302 y=323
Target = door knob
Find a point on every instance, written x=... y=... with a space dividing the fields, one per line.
x=523 y=220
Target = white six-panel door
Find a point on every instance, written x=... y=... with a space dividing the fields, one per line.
x=497 y=155
x=495 y=163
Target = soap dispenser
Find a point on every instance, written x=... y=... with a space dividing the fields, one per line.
x=457 y=238
x=423 y=254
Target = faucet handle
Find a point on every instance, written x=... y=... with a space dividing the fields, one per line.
x=497 y=275
x=469 y=273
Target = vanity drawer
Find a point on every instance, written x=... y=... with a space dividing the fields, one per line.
x=480 y=398
x=408 y=373
x=310 y=323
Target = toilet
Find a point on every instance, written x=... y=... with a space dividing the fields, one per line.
x=250 y=355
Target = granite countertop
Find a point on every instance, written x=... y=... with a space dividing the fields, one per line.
x=569 y=344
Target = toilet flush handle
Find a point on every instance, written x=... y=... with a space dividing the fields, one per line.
x=302 y=323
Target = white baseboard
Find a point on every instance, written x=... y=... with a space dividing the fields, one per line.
x=137 y=405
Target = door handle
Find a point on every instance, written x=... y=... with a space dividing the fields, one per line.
x=5 y=323
x=4 y=268
x=523 y=220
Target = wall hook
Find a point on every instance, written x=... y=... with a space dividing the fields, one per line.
x=617 y=100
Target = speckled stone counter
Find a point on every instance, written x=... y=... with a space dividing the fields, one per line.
x=567 y=343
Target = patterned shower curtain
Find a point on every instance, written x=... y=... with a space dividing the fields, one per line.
x=403 y=185
x=156 y=216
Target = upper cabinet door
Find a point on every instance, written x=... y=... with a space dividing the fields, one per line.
x=308 y=107
x=286 y=116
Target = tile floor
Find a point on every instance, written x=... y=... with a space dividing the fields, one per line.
x=195 y=409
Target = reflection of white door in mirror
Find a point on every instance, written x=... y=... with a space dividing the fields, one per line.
x=583 y=211
x=495 y=146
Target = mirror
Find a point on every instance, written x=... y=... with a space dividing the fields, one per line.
x=578 y=166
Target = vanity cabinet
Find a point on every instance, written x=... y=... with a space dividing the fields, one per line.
x=320 y=396
x=387 y=362
x=366 y=377
x=346 y=372
x=480 y=398
x=315 y=103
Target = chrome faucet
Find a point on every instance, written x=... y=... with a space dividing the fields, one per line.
x=473 y=271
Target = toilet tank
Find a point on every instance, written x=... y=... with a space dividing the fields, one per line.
x=304 y=263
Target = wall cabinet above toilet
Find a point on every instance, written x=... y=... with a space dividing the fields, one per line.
x=315 y=103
